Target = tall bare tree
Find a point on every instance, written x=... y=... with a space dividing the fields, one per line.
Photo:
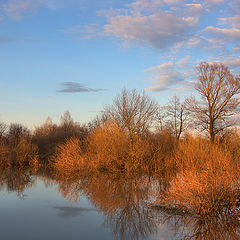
x=219 y=90
x=133 y=111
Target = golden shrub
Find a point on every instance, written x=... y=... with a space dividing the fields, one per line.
x=68 y=158
x=108 y=147
x=206 y=181
x=203 y=193
x=198 y=153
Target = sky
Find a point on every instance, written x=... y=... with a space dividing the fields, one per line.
x=76 y=55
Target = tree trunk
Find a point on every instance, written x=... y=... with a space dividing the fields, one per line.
x=211 y=130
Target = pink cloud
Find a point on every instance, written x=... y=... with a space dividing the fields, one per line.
x=232 y=21
x=230 y=34
x=164 y=76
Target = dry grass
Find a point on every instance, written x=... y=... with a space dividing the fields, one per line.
x=164 y=146
x=231 y=143
x=200 y=154
x=202 y=193
x=207 y=180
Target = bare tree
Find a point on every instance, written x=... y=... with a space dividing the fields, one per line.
x=3 y=128
x=100 y=119
x=177 y=116
x=66 y=119
x=161 y=118
x=133 y=111
x=219 y=90
x=16 y=132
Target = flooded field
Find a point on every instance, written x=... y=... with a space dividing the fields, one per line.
x=98 y=207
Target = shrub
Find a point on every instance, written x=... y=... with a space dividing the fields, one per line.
x=21 y=154
x=231 y=142
x=164 y=145
x=110 y=148
x=68 y=158
x=48 y=136
x=202 y=193
x=206 y=180
x=199 y=154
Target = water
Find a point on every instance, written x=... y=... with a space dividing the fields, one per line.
x=100 y=207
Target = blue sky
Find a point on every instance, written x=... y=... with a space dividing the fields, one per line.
x=76 y=55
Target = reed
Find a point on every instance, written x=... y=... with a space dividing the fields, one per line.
x=206 y=181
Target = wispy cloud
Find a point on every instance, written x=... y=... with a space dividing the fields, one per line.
x=232 y=34
x=178 y=28
x=168 y=24
x=87 y=31
x=17 y=9
x=233 y=21
x=147 y=22
x=74 y=87
x=212 y=3
x=4 y=40
x=164 y=77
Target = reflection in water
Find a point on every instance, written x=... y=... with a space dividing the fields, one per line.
x=186 y=227
x=15 y=180
x=67 y=212
x=121 y=199
x=123 y=202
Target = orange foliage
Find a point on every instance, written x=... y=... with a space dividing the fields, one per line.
x=68 y=158
x=206 y=181
x=110 y=147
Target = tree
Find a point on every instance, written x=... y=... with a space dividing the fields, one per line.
x=99 y=120
x=219 y=90
x=16 y=132
x=46 y=128
x=177 y=116
x=134 y=111
x=66 y=119
x=3 y=127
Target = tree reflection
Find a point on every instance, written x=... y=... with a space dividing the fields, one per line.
x=15 y=180
x=121 y=199
x=218 y=226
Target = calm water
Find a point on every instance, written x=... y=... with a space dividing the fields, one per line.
x=101 y=207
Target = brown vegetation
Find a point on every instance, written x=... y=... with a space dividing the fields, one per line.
x=17 y=150
x=207 y=180
x=68 y=158
x=108 y=148
x=49 y=135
